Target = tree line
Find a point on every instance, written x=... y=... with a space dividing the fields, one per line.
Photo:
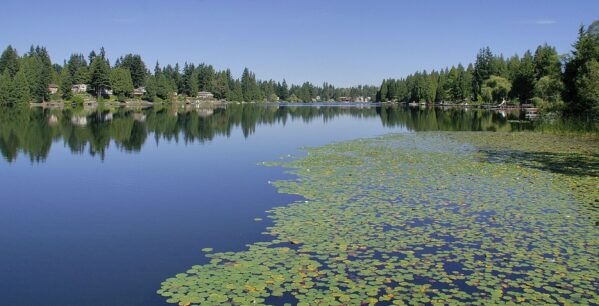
x=555 y=82
x=26 y=79
x=566 y=83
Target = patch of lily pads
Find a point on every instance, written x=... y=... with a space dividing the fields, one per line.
x=422 y=218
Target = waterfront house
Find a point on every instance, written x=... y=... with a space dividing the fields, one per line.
x=79 y=88
x=205 y=95
x=52 y=88
x=139 y=91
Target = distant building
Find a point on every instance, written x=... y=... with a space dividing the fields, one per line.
x=362 y=99
x=79 y=88
x=53 y=88
x=205 y=95
x=345 y=99
x=139 y=91
x=106 y=91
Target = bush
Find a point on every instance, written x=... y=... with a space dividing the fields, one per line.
x=536 y=101
x=77 y=100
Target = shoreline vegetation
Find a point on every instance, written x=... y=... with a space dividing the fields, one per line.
x=544 y=81
x=440 y=218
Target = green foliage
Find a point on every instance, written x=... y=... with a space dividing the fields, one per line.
x=421 y=218
x=547 y=62
x=588 y=87
x=6 y=88
x=9 y=61
x=66 y=83
x=249 y=87
x=580 y=73
x=524 y=81
x=189 y=81
x=77 y=67
x=21 y=93
x=121 y=83
x=496 y=89
x=77 y=100
x=549 y=89
x=293 y=98
x=82 y=76
x=99 y=75
x=483 y=69
x=136 y=66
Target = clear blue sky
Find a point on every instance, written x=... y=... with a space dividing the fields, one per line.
x=344 y=42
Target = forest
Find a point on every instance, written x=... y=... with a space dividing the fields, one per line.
x=544 y=78
x=27 y=78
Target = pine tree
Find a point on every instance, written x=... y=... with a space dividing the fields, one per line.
x=66 y=83
x=524 y=83
x=482 y=69
x=9 y=60
x=20 y=93
x=546 y=62
x=75 y=64
x=383 y=91
x=99 y=75
x=121 y=83
x=587 y=84
x=189 y=81
x=6 y=88
x=136 y=65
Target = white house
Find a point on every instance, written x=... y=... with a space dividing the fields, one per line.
x=205 y=95
x=139 y=91
x=79 y=88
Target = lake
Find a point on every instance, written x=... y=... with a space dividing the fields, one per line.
x=102 y=205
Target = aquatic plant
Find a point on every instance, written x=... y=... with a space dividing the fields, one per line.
x=421 y=218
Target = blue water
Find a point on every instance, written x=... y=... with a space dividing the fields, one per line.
x=84 y=229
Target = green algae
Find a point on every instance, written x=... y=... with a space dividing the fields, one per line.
x=423 y=218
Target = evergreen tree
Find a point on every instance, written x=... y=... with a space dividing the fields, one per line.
x=91 y=56
x=189 y=81
x=136 y=65
x=151 y=88
x=66 y=83
x=75 y=64
x=284 y=91
x=524 y=83
x=587 y=84
x=20 y=93
x=6 y=88
x=482 y=69
x=121 y=83
x=578 y=74
x=206 y=77
x=547 y=62
x=99 y=75
x=383 y=91
x=249 y=86
x=236 y=93
x=9 y=61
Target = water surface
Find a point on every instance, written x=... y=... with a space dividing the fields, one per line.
x=101 y=205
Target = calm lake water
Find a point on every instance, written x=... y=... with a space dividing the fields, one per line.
x=100 y=206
